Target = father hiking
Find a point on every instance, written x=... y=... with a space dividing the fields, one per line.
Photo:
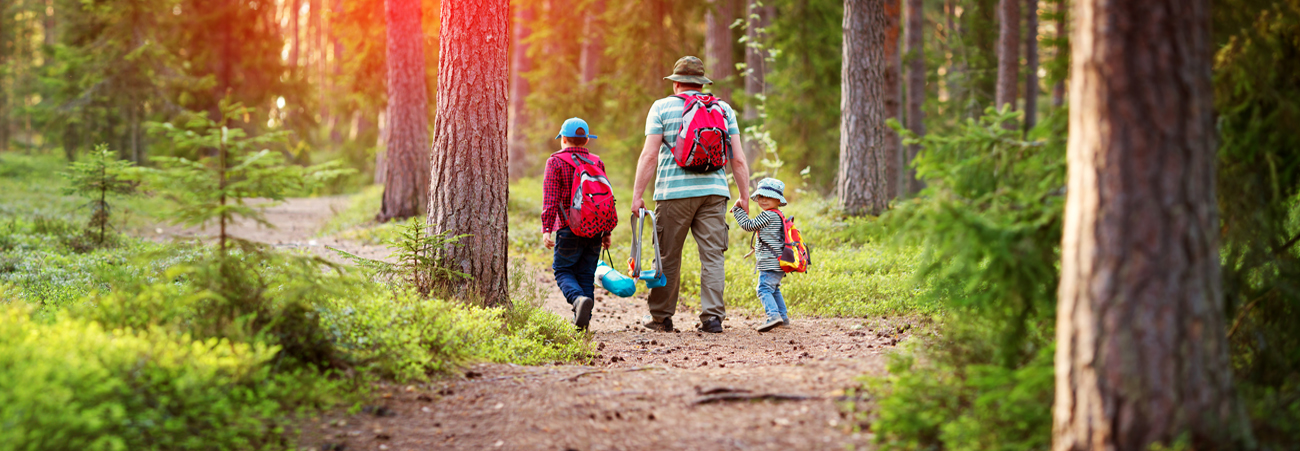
x=691 y=190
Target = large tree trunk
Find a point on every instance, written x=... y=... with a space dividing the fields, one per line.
x=406 y=133
x=862 y=185
x=1008 y=53
x=719 y=47
x=915 y=88
x=1031 y=64
x=295 y=42
x=1058 y=89
x=519 y=89
x=469 y=186
x=593 y=48
x=893 y=98
x=1141 y=356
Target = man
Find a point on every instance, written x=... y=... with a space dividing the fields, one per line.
x=688 y=202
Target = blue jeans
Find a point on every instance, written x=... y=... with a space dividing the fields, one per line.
x=575 y=264
x=769 y=293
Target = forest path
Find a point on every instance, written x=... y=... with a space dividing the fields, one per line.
x=643 y=390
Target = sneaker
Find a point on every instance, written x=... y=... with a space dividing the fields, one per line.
x=711 y=325
x=658 y=326
x=582 y=312
x=771 y=323
x=785 y=321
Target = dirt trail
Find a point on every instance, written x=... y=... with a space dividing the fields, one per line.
x=738 y=390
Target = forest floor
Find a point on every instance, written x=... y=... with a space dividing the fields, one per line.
x=738 y=390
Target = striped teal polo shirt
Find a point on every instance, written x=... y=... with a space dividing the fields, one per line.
x=671 y=181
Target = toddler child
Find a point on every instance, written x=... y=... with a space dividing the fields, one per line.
x=771 y=240
x=575 y=256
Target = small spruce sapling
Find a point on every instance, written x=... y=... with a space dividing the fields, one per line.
x=414 y=258
x=100 y=177
x=238 y=167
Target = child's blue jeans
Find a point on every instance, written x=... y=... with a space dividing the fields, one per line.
x=769 y=293
x=575 y=264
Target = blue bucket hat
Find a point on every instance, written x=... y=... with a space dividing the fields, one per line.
x=575 y=128
x=770 y=187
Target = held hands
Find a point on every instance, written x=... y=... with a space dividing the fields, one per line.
x=743 y=204
x=547 y=241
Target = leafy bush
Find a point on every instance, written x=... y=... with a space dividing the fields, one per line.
x=75 y=384
x=990 y=223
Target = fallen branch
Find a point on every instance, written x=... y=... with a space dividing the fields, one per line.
x=728 y=397
x=574 y=378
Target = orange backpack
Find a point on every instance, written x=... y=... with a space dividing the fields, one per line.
x=794 y=254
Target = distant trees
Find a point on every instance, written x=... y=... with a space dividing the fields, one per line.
x=469 y=184
x=406 y=181
x=719 y=46
x=520 y=64
x=915 y=89
x=1141 y=357
x=862 y=184
x=1008 y=53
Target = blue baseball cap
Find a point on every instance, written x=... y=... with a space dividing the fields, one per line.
x=575 y=128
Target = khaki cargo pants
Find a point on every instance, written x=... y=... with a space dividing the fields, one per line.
x=706 y=219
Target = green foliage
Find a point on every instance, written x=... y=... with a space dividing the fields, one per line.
x=990 y=222
x=415 y=259
x=1257 y=95
x=98 y=177
x=76 y=384
x=954 y=400
x=216 y=188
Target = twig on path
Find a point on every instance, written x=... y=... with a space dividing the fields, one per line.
x=726 y=397
x=574 y=378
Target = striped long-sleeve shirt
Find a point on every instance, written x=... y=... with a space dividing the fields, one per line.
x=771 y=236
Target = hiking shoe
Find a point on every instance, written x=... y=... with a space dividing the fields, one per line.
x=785 y=321
x=658 y=326
x=582 y=312
x=771 y=323
x=711 y=325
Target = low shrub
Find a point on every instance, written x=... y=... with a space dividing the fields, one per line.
x=75 y=384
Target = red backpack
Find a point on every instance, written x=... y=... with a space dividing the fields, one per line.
x=703 y=144
x=591 y=212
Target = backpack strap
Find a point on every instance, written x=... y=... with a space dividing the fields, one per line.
x=783 y=231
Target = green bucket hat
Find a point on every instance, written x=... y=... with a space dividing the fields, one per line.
x=689 y=69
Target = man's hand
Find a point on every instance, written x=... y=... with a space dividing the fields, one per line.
x=637 y=205
x=743 y=204
x=547 y=241
x=604 y=242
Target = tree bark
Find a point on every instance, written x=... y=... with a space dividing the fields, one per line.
x=521 y=63
x=1031 y=64
x=893 y=98
x=719 y=47
x=469 y=190
x=1008 y=53
x=594 y=46
x=915 y=88
x=406 y=134
x=862 y=185
x=756 y=70
x=1141 y=356
x=1058 y=89
x=295 y=43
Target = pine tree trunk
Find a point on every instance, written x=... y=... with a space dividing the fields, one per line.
x=407 y=119
x=469 y=190
x=294 y=42
x=862 y=182
x=1031 y=64
x=48 y=26
x=1008 y=53
x=1058 y=89
x=915 y=88
x=893 y=99
x=593 y=47
x=756 y=69
x=521 y=63
x=1141 y=356
x=719 y=46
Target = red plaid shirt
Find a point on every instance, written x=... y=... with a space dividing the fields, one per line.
x=556 y=190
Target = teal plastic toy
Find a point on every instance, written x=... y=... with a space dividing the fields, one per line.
x=613 y=281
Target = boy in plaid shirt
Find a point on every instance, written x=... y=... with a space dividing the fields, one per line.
x=575 y=256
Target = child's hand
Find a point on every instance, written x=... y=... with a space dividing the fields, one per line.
x=547 y=241
x=604 y=242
